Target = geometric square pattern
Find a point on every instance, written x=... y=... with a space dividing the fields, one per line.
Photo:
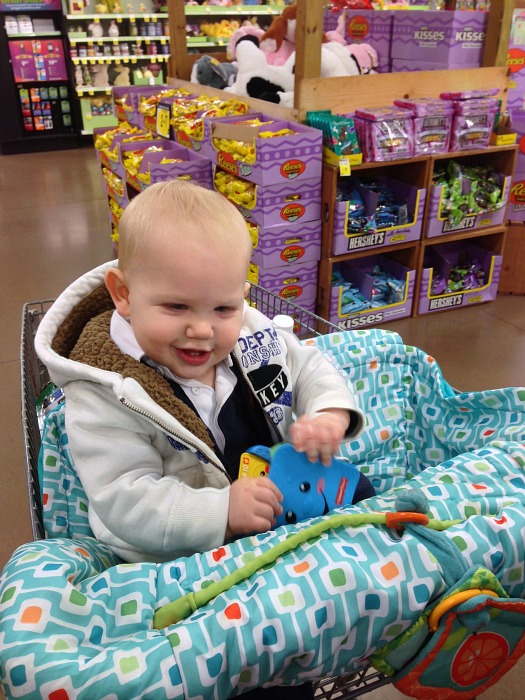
x=76 y=623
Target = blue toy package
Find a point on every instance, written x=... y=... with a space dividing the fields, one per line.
x=309 y=488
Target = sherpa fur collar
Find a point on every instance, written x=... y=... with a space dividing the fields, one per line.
x=84 y=337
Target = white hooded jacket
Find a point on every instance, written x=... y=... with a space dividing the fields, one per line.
x=156 y=487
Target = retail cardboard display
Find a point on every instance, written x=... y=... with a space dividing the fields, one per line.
x=275 y=205
x=297 y=283
x=278 y=159
x=438 y=262
x=359 y=273
x=287 y=245
x=189 y=166
x=345 y=241
x=444 y=38
x=437 y=224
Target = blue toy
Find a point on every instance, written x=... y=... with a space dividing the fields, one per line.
x=309 y=488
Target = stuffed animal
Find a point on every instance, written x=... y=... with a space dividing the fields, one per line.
x=209 y=71
x=247 y=32
x=257 y=78
x=365 y=57
x=278 y=41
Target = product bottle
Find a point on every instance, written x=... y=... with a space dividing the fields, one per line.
x=282 y=322
x=133 y=29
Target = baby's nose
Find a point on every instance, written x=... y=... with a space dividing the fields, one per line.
x=200 y=328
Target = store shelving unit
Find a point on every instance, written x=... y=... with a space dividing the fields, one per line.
x=108 y=49
x=38 y=107
x=414 y=254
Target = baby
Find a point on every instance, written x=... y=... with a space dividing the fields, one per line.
x=169 y=375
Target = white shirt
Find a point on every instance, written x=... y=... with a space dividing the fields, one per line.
x=207 y=400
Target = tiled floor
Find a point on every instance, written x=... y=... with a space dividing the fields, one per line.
x=54 y=226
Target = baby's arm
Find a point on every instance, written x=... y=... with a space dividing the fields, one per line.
x=319 y=436
x=254 y=506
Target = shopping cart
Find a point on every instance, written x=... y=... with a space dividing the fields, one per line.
x=34 y=386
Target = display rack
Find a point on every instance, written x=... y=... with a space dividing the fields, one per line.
x=38 y=106
x=414 y=254
x=343 y=95
x=114 y=49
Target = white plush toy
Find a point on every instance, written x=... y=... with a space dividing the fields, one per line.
x=256 y=78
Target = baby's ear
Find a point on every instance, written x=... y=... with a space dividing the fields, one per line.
x=118 y=289
x=247 y=286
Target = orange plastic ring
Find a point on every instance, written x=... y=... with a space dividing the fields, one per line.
x=397 y=518
x=451 y=602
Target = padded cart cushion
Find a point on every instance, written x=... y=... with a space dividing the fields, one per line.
x=74 y=622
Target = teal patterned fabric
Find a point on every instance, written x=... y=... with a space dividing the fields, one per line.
x=76 y=623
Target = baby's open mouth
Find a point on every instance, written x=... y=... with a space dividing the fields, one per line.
x=193 y=357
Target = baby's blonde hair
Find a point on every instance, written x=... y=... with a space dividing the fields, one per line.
x=163 y=210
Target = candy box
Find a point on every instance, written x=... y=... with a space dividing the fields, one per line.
x=432 y=123
x=409 y=201
x=403 y=65
x=285 y=246
x=185 y=164
x=271 y=205
x=189 y=118
x=243 y=149
x=458 y=274
x=385 y=133
x=110 y=156
x=365 y=27
x=456 y=37
x=125 y=102
x=440 y=220
x=115 y=187
x=357 y=290
x=296 y=283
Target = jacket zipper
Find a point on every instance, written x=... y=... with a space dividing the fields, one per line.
x=168 y=430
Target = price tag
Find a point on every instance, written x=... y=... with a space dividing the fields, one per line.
x=163 y=121
x=83 y=61
x=119 y=20
x=344 y=167
x=90 y=43
x=153 y=59
x=92 y=62
x=117 y=61
x=96 y=20
x=146 y=19
x=115 y=43
x=163 y=41
x=133 y=60
x=90 y=92
x=125 y=60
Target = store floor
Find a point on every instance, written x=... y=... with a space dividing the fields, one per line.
x=54 y=226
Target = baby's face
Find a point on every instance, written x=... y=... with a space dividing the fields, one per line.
x=186 y=307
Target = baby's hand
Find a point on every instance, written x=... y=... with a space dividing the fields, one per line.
x=254 y=506
x=320 y=436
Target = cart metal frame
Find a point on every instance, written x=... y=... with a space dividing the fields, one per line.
x=35 y=378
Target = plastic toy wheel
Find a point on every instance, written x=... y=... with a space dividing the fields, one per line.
x=478 y=657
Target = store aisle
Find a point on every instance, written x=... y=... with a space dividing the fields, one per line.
x=54 y=226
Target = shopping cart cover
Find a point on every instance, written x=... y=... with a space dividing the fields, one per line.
x=414 y=420
x=301 y=602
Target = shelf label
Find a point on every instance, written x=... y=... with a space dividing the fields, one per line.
x=163 y=120
x=90 y=43
x=344 y=167
x=133 y=60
